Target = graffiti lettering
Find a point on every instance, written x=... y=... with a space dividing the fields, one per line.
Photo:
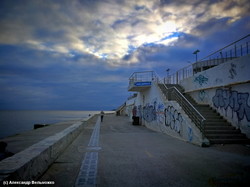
x=202 y=95
x=190 y=134
x=160 y=114
x=238 y=102
x=149 y=112
x=173 y=119
x=232 y=71
x=201 y=79
x=218 y=81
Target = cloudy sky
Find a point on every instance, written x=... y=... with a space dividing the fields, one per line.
x=79 y=54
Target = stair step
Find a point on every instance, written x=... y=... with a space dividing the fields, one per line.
x=230 y=141
x=213 y=117
x=223 y=131
x=191 y=100
x=215 y=120
x=213 y=127
x=217 y=123
x=203 y=109
x=225 y=136
x=203 y=106
x=216 y=128
x=207 y=111
x=209 y=114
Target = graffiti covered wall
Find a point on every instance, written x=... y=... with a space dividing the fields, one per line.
x=226 y=88
x=236 y=101
x=158 y=114
x=232 y=72
x=234 y=105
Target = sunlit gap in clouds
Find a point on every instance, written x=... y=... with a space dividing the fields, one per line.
x=167 y=41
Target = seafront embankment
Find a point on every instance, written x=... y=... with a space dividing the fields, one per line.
x=132 y=155
x=36 y=150
x=117 y=153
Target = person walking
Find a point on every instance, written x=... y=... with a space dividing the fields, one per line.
x=102 y=115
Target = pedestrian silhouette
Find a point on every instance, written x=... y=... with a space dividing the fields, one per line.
x=102 y=115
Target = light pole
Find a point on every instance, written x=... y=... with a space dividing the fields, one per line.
x=167 y=70
x=196 y=54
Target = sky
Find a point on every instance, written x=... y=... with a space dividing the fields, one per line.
x=79 y=54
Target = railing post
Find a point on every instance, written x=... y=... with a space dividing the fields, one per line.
x=177 y=77
x=241 y=50
x=247 y=47
x=235 y=50
x=202 y=129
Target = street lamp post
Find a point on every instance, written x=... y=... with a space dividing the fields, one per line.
x=196 y=54
x=167 y=70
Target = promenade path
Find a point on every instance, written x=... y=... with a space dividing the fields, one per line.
x=124 y=155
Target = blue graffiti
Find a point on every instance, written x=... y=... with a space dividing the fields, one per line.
x=238 y=102
x=149 y=112
x=190 y=134
x=173 y=119
x=201 y=79
x=232 y=71
x=160 y=114
x=202 y=95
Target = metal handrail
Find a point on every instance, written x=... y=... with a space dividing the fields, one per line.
x=134 y=75
x=143 y=76
x=234 y=50
x=225 y=47
x=189 y=108
x=188 y=102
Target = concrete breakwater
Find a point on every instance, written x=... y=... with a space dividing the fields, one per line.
x=31 y=162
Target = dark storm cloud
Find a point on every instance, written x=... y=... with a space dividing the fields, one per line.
x=69 y=54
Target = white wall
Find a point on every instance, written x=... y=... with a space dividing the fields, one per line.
x=226 y=88
x=129 y=107
x=165 y=116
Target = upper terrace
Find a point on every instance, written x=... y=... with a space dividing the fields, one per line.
x=232 y=51
x=140 y=81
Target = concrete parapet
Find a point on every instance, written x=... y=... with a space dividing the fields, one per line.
x=30 y=163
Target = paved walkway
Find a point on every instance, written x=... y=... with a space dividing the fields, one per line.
x=127 y=155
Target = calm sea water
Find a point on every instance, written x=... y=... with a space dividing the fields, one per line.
x=13 y=122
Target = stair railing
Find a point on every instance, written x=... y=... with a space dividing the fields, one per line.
x=173 y=93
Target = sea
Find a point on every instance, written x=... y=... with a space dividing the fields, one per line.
x=16 y=122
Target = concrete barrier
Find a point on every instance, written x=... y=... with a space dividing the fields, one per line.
x=32 y=162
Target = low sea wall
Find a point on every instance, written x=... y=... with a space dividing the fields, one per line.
x=32 y=162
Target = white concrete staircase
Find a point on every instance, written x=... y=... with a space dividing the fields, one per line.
x=216 y=129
